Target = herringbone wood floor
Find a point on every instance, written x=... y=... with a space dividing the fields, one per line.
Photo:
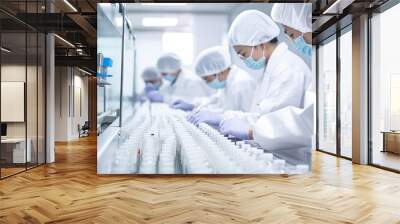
x=70 y=191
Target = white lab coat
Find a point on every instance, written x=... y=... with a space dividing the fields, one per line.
x=236 y=95
x=289 y=127
x=280 y=95
x=186 y=87
x=285 y=80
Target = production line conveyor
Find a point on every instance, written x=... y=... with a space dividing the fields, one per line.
x=159 y=140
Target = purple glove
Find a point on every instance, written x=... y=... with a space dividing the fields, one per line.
x=235 y=127
x=149 y=88
x=182 y=105
x=208 y=117
x=155 y=96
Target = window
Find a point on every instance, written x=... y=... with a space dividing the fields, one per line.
x=346 y=94
x=179 y=43
x=385 y=89
x=394 y=102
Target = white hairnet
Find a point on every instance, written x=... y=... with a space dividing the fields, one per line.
x=251 y=28
x=150 y=73
x=212 y=60
x=168 y=63
x=294 y=15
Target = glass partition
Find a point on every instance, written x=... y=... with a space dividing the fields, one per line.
x=109 y=45
x=41 y=97
x=32 y=98
x=128 y=95
x=327 y=97
x=22 y=77
x=15 y=149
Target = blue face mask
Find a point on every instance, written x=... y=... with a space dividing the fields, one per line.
x=157 y=85
x=169 y=77
x=253 y=64
x=302 y=46
x=217 y=84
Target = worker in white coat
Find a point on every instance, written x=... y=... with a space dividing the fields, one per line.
x=235 y=87
x=296 y=21
x=297 y=123
x=152 y=79
x=181 y=85
x=282 y=78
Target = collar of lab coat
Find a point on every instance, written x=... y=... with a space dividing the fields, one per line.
x=179 y=77
x=276 y=57
x=262 y=88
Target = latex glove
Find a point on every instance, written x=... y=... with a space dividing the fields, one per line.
x=182 y=105
x=149 y=88
x=208 y=117
x=235 y=127
x=142 y=99
x=155 y=96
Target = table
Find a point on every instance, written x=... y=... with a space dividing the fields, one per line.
x=391 y=141
x=13 y=150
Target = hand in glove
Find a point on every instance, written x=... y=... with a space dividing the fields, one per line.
x=155 y=97
x=208 y=117
x=182 y=105
x=150 y=87
x=235 y=127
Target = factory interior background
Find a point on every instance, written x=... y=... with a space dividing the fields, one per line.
x=52 y=123
x=122 y=112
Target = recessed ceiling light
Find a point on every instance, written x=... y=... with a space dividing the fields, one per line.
x=5 y=50
x=164 y=4
x=84 y=71
x=70 y=5
x=159 y=22
x=64 y=40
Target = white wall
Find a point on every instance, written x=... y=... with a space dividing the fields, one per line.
x=82 y=82
x=15 y=72
x=208 y=30
x=33 y=126
x=148 y=49
x=67 y=86
x=61 y=103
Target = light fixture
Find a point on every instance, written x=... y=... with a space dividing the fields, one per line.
x=65 y=41
x=70 y=5
x=159 y=22
x=164 y=4
x=5 y=50
x=84 y=71
x=337 y=7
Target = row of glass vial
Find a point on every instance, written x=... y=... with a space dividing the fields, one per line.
x=217 y=158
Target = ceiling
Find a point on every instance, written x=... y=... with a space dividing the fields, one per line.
x=185 y=8
x=182 y=12
x=330 y=15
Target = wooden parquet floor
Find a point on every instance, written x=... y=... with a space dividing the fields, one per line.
x=70 y=191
